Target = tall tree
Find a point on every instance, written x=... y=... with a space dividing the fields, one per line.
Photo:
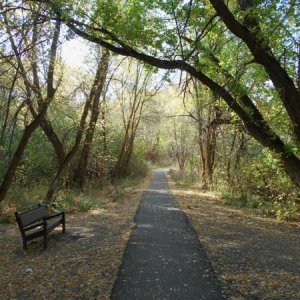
x=201 y=21
x=18 y=49
x=98 y=86
x=136 y=91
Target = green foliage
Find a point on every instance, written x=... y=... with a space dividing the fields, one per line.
x=66 y=203
x=85 y=204
x=254 y=178
x=239 y=201
x=72 y=200
x=175 y=175
x=39 y=159
x=7 y=219
x=118 y=194
x=284 y=209
x=25 y=197
x=186 y=178
x=138 y=166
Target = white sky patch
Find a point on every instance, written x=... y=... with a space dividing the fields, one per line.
x=75 y=51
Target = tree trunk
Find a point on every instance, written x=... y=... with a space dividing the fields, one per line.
x=253 y=38
x=17 y=157
x=55 y=183
x=121 y=168
x=228 y=164
x=8 y=178
x=100 y=78
x=103 y=128
x=136 y=109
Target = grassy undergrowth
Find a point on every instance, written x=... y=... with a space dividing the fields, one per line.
x=22 y=198
x=283 y=206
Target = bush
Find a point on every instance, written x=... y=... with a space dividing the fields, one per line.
x=138 y=166
x=24 y=198
x=183 y=178
x=66 y=203
x=7 y=219
x=284 y=209
x=240 y=201
x=85 y=205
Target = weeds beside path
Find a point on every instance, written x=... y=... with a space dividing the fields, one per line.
x=254 y=257
x=82 y=264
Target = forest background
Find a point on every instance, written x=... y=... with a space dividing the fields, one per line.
x=212 y=87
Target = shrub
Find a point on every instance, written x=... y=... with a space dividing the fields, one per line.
x=7 y=219
x=240 y=201
x=284 y=209
x=85 y=205
x=183 y=178
x=66 y=203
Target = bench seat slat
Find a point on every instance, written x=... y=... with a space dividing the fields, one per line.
x=38 y=230
x=32 y=216
x=52 y=224
x=37 y=222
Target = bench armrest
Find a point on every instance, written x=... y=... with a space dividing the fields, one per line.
x=34 y=226
x=55 y=215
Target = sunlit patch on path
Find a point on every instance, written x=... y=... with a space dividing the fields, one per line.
x=164 y=259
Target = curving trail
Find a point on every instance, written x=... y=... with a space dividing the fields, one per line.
x=164 y=258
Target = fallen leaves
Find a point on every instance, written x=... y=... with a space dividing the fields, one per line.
x=254 y=257
x=81 y=264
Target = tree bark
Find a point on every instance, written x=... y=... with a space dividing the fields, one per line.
x=99 y=82
x=17 y=157
x=263 y=55
x=55 y=183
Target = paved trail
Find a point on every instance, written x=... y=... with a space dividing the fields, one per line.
x=163 y=258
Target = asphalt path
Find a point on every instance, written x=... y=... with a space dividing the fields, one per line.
x=164 y=258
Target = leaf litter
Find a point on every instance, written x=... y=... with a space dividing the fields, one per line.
x=254 y=257
x=83 y=263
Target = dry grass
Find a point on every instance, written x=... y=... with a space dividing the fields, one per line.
x=254 y=257
x=82 y=264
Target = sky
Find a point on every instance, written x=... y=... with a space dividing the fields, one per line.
x=74 y=52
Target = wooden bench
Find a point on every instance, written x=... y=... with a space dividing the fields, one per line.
x=37 y=222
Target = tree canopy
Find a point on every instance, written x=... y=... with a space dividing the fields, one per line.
x=236 y=65
x=229 y=47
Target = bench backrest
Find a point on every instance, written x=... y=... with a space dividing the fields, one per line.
x=32 y=216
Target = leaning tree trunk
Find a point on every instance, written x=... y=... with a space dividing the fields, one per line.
x=17 y=157
x=230 y=154
x=29 y=130
x=55 y=183
x=80 y=174
x=120 y=169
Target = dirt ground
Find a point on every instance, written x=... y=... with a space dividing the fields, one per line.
x=254 y=257
x=80 y=264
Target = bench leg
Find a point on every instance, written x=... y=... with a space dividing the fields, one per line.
x=63 y=223
x=24 y=245
x=45 y=241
